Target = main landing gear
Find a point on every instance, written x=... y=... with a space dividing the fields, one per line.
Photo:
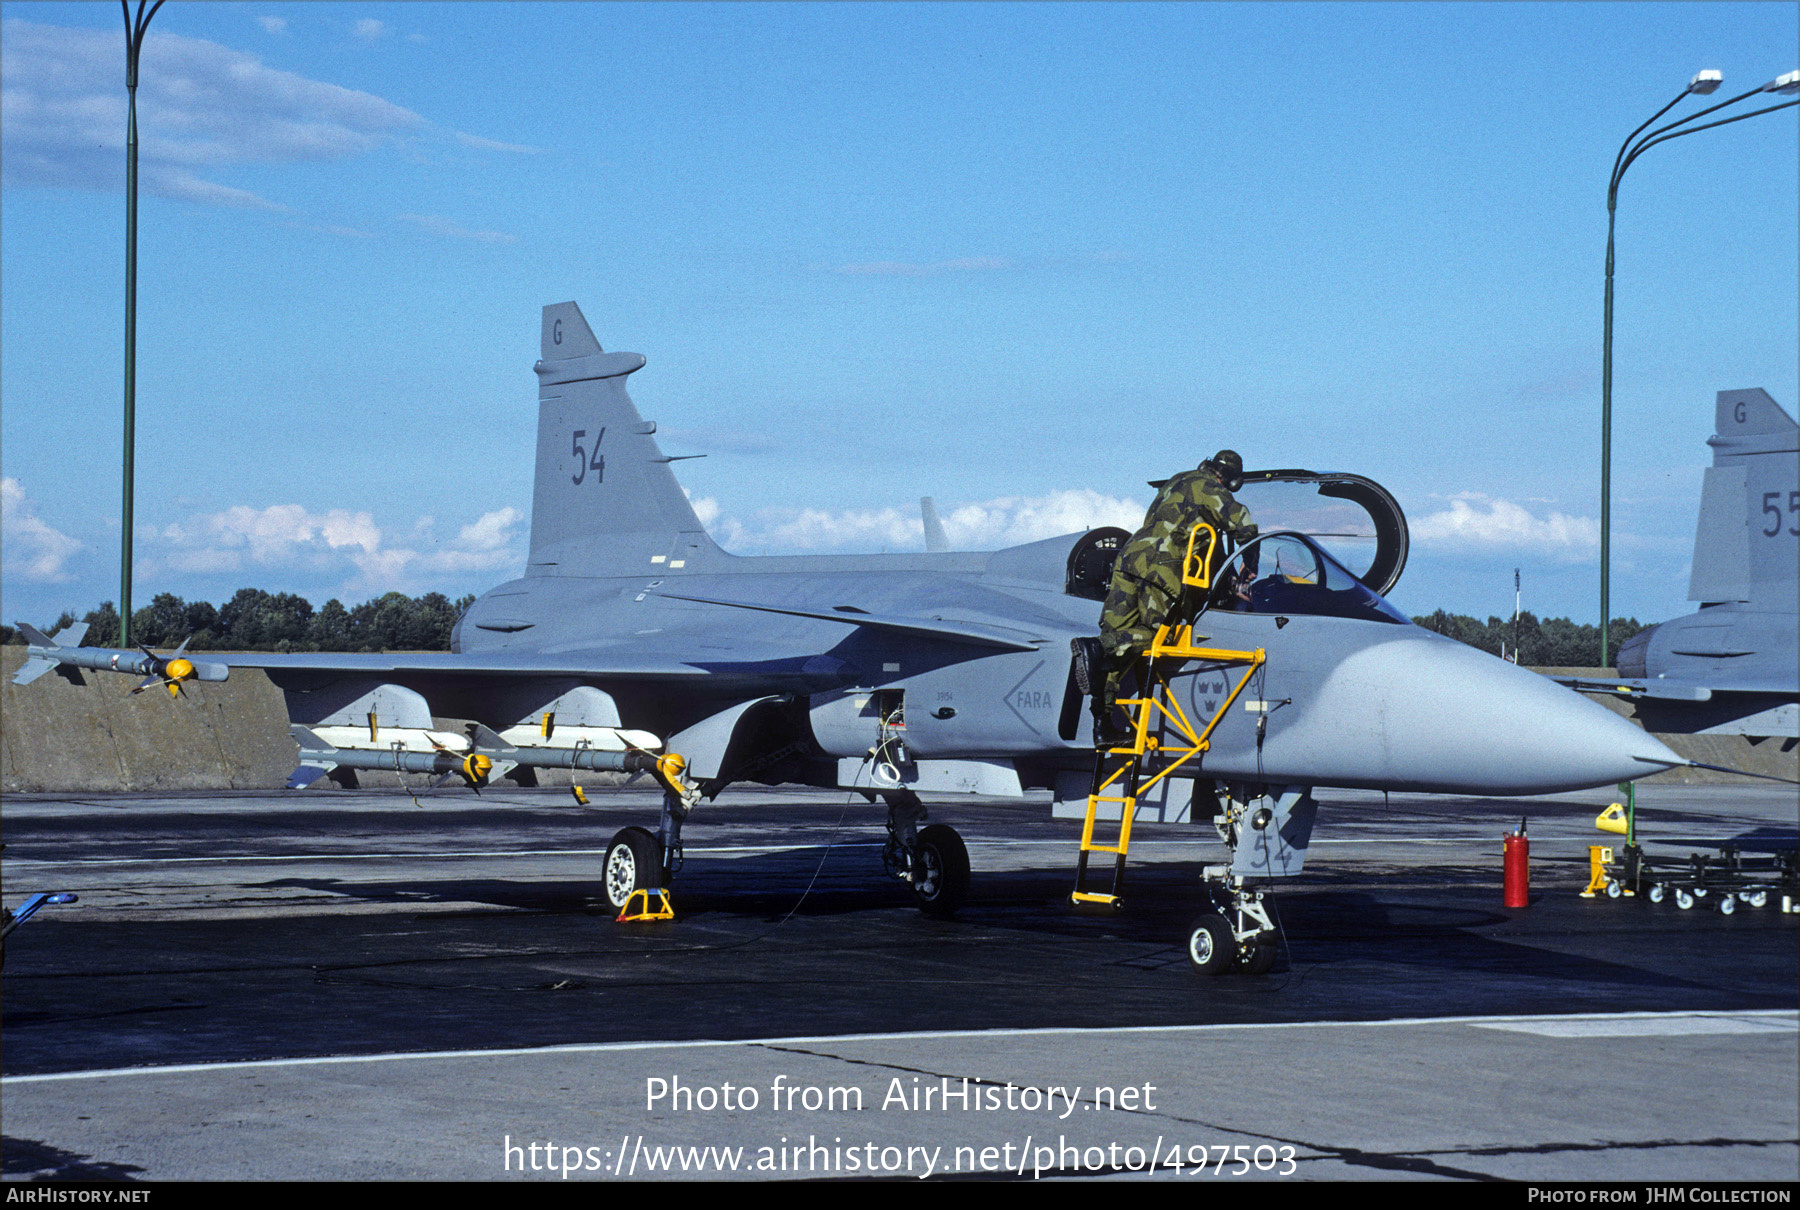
x=639 y=860
x=933 y=859
x=634 y=862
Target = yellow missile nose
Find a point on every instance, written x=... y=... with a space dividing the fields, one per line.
x=178 y=670
x=671 y=766
x=477 y=767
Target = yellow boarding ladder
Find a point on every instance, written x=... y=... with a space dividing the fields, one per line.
x=1157 y=719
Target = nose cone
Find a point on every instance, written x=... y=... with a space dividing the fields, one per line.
x=1428 y=713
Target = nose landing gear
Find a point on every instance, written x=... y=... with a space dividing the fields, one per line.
x=1237 y=935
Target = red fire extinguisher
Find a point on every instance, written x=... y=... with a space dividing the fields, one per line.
x=1518 y=868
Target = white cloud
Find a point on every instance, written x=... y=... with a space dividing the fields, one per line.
x=273 y=25
x=982 y=525
x=1010 y=521
x=29 y=548
x=1475 y=522
x=369 y=29
x=338 y=543
x=202 y=107
x=492 y=532
x=437 y=224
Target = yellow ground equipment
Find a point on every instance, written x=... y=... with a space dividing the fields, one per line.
x=1599 y=859
x=640 y=899
x=1163 y=739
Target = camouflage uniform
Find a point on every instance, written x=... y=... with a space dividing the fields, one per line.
x=1146 y=590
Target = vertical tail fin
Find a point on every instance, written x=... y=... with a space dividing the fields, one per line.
x=1747 y=540
x=604 y=501
x=934 y=528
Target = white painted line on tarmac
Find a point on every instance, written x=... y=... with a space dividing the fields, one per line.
x=1671 y=1026
x=1778 y=1020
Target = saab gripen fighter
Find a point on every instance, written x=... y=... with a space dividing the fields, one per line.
x=1733 y=667
x=632 y=637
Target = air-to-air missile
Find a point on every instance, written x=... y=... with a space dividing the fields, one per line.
x=65 y=648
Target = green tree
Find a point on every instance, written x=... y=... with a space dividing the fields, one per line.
x=329 y=629
x=103 y=626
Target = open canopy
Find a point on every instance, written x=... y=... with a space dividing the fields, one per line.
x=1353 y=517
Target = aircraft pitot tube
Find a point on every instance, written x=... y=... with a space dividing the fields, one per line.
x=65 y=648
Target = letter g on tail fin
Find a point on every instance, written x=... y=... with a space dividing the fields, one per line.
x=566 y=333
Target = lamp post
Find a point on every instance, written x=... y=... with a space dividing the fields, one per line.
x=134 y=41
x=1703 y=84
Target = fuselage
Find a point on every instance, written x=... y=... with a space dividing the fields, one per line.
x=1367 y=701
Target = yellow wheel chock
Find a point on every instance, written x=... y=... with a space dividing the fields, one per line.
x=664 y=911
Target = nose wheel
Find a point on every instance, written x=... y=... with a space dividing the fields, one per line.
x=1237 y=936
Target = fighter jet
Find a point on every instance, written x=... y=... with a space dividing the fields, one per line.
x=633 y=642
x=1732 y=668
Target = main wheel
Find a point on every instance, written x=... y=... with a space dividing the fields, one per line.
x=633 y=863
x=1683 y=898
x=1727 y=904
x=1211 y=947
x=1258 y=959
x=940 y=871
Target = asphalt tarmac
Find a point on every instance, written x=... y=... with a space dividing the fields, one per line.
x=369 y=985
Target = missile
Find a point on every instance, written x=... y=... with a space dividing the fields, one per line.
x=318 y=756
x=45 y=653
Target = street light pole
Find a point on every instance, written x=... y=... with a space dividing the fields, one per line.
x=1703 y=84
x=134 y=41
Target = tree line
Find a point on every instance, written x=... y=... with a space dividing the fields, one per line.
x=254 y=620
x=1546 y=643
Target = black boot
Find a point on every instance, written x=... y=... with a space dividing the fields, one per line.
x=1107 y=731
x=1088 y=673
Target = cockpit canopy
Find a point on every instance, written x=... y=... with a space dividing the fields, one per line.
x=1355 y=517
x=1290 y=574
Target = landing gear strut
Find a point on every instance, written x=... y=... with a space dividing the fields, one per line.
x=641 y=860
x=933 y=859
x=1267 y=829
x=1236 y=935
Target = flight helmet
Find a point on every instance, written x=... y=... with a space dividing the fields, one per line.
x=1229 y=465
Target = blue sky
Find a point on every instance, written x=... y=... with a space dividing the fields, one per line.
x=1020 y=258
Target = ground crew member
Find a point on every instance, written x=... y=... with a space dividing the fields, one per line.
x=1146 y=590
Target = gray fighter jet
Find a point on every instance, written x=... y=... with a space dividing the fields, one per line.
x=1733 y=668
x=632 y=637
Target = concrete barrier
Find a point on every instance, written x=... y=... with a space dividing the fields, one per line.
x=80 y=731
